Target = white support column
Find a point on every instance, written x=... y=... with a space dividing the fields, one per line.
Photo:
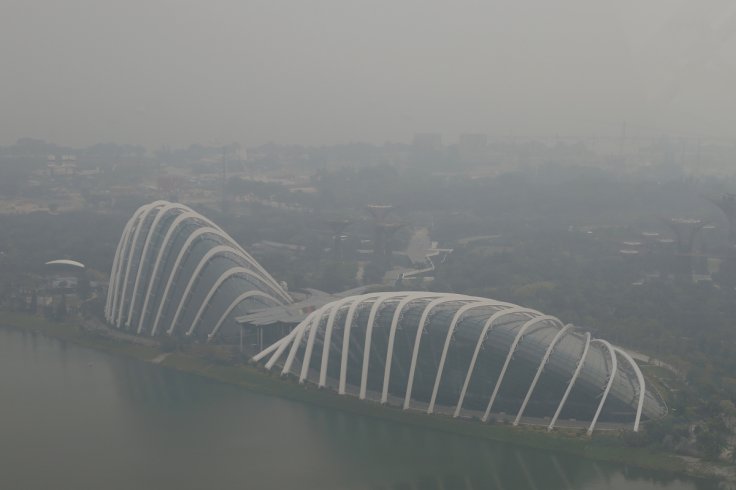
x=570 y=385
x=218 y=234
x=267 y=278
x=163 y=249
x=232 y=272
x=515 y=310
x=163 y=212
x=113 y=272
x=448 y=338
x=185 y=249
x=368 y=337
x=313 y=327
x=328 y=337
x=248 y=258
x=220 y=250
x=110 y=285
x=612 y=375
x=134 y=244
x=127 y=236
x=120 y=276
x=346 y=340
x=543 y=363
x=282 y=347
x=301 y=329
x=234 y=304
x=268 y=350
x=124 y=247
x=512 y=349
x=417 y=340
x=642 y=385
x=392 y=335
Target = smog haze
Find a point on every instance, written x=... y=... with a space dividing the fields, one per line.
x=324 y=72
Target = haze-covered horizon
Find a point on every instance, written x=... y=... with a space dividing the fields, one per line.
x=170 y=73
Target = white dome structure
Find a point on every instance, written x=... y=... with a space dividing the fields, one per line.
x=465 y=356
x=176 y=272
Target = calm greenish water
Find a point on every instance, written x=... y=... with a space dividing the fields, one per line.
x=73 y=418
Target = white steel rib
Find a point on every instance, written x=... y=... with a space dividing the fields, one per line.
x=328 y=338
x=301 y=329
x=417 y=340
x=175 y=270
x=570 y=385
x=612 y=375
x=268 y=350
x=392 y=336
x=346 y=341
x=642 y=385
x=121 y=252
x=512 y=349
x=125 y=243
x=113 y=271
x=381 y=299
x=144 y=255
x=233 y=305
x=543 y=363
x=115 y=265
x=142 y=248
x=220 y=250
x=527 y=325
x=450 y=331
x=282 y=346
x=313 y=326
x=131 y=255
x=232 y=272
x=516 y=310
x=163 y=249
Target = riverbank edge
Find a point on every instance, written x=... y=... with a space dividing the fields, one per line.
x=600 y=447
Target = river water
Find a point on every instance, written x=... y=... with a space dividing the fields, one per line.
x=74 y=418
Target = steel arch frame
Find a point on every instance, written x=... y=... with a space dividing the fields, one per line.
x=542 y=364
x=163 y=250
x=420 y=331
x=488 y=326
x=571 y=384
x=121 y=309
x=611 y=376
x=220 y=250
x=144 y=255
x=123 y=246
x=228 y=274
x=376 y=301
x=642 y=385
x=530 y=323
x=450 y=331
x=131 y=253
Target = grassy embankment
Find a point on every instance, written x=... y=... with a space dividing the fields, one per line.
x=604 y=446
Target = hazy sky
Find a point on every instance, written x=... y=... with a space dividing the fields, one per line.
x=328 y=71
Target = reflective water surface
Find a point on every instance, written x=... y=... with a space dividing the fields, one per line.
x=73 y=418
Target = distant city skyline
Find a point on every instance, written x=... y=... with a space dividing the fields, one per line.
x=171 y=73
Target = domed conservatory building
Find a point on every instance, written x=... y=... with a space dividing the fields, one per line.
x=465 y=356
x=177 y=273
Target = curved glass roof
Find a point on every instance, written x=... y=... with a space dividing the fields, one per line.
x=177 y=272
x=465 y=356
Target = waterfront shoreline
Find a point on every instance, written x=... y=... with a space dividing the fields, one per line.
x=601 y=447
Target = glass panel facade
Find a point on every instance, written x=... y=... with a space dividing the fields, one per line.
x=181 y=267
x=522 y=354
